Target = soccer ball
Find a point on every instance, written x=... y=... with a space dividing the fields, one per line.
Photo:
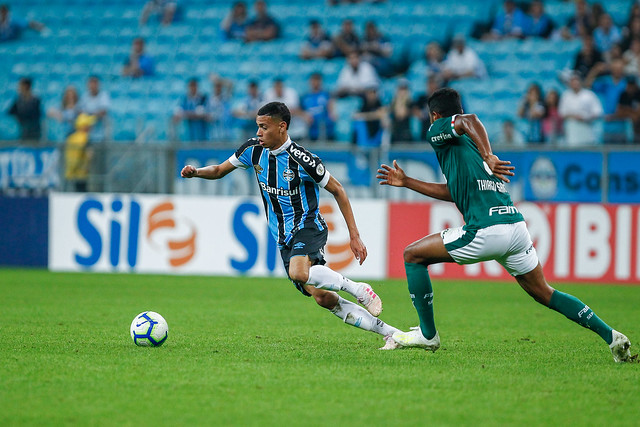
x=149 y=329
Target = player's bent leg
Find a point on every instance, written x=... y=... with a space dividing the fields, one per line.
x=417 y=256
x=571 y=307
x=299 y=268
x=322 y=277
x=352 y=314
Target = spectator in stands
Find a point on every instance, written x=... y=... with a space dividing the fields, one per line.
x=376 y=49
x=245 y=111
x=78 y=154
x=580 y=108
x=346 y=41
x=96 y=102
x=434 y=57
x=588 y=58
x=540 y=24
x=68 y=111
x=630 y=33
x=421 y=105
x=262 y=27
x=629 y=106
x=166 y=9
x=26 y=109
x=610 y=87
x=532 y=109
x=193 y=110
x=355 y=76
x=234 y=25
x=400 y=111
x=11 y=29
x=320 y=110
x=631 y=58
x=581 y=23
x=289 y=96
x=462 y=62
x=552 y=122
x=606 y=33
x=318 y=43
x=138 y=63
x=371 y=120
x=509 y=135
x=510 y=22
x=219 y=108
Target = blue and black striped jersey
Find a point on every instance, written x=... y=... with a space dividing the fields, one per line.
x=289 y=178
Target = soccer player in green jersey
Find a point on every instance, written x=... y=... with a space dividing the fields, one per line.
x=494 y=228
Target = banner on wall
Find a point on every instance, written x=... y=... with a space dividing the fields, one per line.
x=575 y=242
x=29 y=168
x=194 y=235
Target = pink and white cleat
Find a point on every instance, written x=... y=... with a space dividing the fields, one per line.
x=369 y=299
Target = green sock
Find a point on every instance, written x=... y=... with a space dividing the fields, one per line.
x=422 y=296
x=580 y=313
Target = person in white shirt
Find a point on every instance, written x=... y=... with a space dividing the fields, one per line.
x=96 y=102
x=355 y=77
x=580 y=109
x=462 y=62
x=298 y=128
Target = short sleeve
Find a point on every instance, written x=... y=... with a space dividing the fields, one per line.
x=242 y=157
x=311 y=164
x=442 y=131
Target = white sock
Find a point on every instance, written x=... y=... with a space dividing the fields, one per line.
x=322 y=277
x=357 y=316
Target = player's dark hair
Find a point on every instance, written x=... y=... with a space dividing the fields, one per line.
x=27 y=82
x=445 y=101
x=277 y=110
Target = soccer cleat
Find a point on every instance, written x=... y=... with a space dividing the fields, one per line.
x=620 y=347
x=389 y=343
x=369 y=299
x=414 y=338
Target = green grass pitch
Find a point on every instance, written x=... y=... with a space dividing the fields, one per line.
x=248 y=351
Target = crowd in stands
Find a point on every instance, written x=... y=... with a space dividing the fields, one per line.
x=596 y=98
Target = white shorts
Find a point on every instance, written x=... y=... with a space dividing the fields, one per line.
x=509 y=244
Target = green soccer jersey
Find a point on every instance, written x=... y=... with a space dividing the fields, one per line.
x=480 y=196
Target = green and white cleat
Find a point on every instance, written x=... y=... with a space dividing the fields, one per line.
x=620 y=347
x=369 y=299
x=414 y=338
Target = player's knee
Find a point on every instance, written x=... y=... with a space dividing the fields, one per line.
x=411 y=255
x=299 y=276
x=325 y=299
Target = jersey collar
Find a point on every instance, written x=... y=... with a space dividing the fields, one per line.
x=282 y=148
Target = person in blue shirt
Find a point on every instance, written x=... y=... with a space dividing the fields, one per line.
x=138 y=63
x=510 y=22
x=319 y=107
x=234 y=25
x=540 y=24
x=193 y=109
x=11 y=29
x=289 y=178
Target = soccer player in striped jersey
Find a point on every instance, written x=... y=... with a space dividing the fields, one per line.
x=289 y=177
x=494 y=227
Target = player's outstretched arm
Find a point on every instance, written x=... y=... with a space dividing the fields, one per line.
x=208 y=172
x=396 y=177
x=357 y=246
x=473 y=127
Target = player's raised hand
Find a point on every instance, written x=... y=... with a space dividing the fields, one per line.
x=188 y=171
x=500 y=168
x=359 y=249
x=391 y=176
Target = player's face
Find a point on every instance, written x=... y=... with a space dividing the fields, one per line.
x=272 y=133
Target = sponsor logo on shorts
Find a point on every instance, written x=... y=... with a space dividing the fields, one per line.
x=528 y=251
x=298 y=245
x=503 y=210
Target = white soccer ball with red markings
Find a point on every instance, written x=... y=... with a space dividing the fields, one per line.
x=149 y=329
